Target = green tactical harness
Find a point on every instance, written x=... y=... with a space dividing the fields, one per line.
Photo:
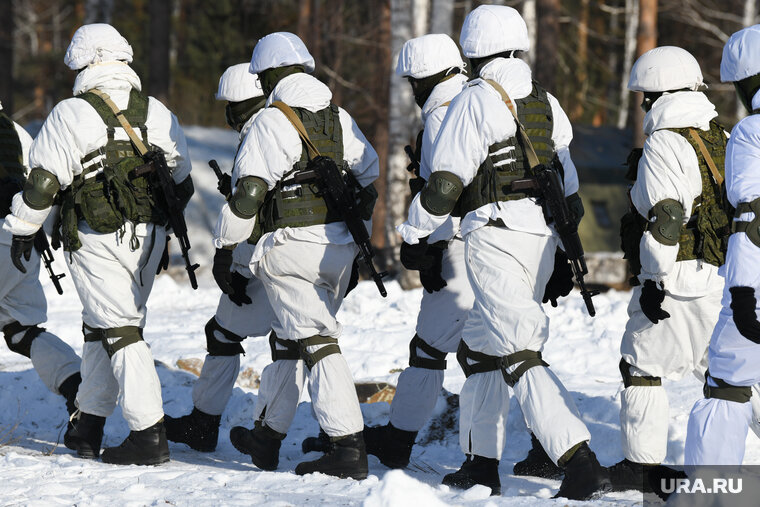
x=291 y=204
x=492 y=183
x=11 y=163
x=107 y=193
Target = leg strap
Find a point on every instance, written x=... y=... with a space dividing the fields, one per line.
x=726 y=391
x=331 y=347
x=484 y=362
x=291 y=351
x=439 y=357
x=635 y=380
x=127 y=336
x=219 y=348
x=24 y=346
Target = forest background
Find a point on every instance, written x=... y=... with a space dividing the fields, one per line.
x=582 y=51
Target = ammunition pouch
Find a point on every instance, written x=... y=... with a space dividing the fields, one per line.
x=668 y=219
x=127 y=335
x=726 y=391
x=219 y=348
x=438 y=361
x=309 y=358
x=485 y=363
x=24 y=346
x=635 y=380
x=290 y=353
x=441 y=193
x=751 y=228
x=40 y=189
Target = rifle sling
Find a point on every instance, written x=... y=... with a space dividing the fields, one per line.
x=706 y=154
x=530 y=152
x=136 y=141
x=296 y=122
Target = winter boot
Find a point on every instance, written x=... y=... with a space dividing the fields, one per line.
x=144 y=447
x=346 y=458
x=320 y=443
x=626 y=475
x=261 y=443
x=85 y=434
x=68 y=390
x=537 y=463
x=392 y=446
x=476 y=470
x=198 y=429
x=584 y=476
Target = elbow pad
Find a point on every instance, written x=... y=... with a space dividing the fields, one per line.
x=665 y=221
x=248 y=197
x=40 y=189
x=441 y=193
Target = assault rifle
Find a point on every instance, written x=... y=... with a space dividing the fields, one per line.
x=549 y=184
x=43 y=248
x=224 y=181
x=162 y=183
x=341 y=200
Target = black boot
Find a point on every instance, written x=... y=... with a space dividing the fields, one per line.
x=261 y=443
x=476 y=470
x=320 y=443
x=584 y=476
x=85 y=434
x=626 y=475
x=68 y=390
x=198 y=429
x=537 y=463
x=144 y=447
x=392 y=446
x=346 y=458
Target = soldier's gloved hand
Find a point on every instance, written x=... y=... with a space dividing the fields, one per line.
x=224 y=186
x=743 y=304
x=221 y=270
x=354 y=280
x=561 y=282
x=21 y=246
x=416 y=257
x=239 y=284
x=432 y=278
x=164 y=262
x=651 y=302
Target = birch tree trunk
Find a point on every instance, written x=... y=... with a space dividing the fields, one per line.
x=529 y=15
x=631 y=28
x=442 y=17
x=646 y=39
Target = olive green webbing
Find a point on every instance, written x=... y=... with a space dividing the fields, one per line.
x=522 y=134
x=311 y=359
x=717 y=176
x=726 y=391
x=298 y=124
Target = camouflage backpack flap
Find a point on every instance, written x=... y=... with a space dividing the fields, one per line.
x=506 y=160
x=12 y=173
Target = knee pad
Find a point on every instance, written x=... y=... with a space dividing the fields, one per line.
x=439 y=357
x=291 y=351
x=24 y=346
x=127 y=335
x=330 y=348
x=726 y=391
x=635 y=380
x=484 y=362
x=218 y=348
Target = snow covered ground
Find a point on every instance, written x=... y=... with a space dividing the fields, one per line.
x=36 y=469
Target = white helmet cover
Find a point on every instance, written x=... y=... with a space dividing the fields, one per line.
x=237 y=84
x=493 y=29
x=664 y=69
x=741 y=55
x=96 y=43
x=280 y=49
x=428 y=55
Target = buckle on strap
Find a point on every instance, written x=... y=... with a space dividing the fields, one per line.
x=291 y=351
x=309 y=358
x=726 y=391
x=127 y=336
x=439 y=357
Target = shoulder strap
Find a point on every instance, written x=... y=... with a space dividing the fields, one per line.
x=296 y=122
x=706 y=154
x=141 y=149
x=529 y=151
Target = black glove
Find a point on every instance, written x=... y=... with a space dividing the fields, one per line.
x=164 y=262
x=221 y=270
x=239 y=284
x=224 y=185
x=354 y=280
x=651 y=302
x=416 y=257
x=561 y=282
x=21 y=245
x=431 y=278
x=743 y=304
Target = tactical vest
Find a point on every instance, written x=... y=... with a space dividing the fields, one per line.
x=705 y=236
x=11 y=163
x=506 y=160
x=107 y=193
x=291 y=204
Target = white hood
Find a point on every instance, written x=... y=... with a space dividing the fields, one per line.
x=107 y=76
x=442 y=93
x=679 y=110
x=513 y=74
x=301 y=90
